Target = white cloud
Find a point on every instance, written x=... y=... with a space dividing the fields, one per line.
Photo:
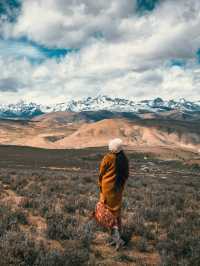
x=121 y=53
x=71 y=23
x=9 y=85
x=73 y=77
x=173 y=29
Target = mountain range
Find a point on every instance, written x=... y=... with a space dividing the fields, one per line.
x=167 y=128
x=23 y=110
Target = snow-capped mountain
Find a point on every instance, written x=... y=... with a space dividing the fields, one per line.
x=24 y=110
x=123 y=105
x=20 y=110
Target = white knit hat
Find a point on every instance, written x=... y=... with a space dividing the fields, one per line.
x=115 y=145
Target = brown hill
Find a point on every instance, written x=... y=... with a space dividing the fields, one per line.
x=60 y=118
x=76 y=130
x=42 y=132
x=173 y=115
x=138 y=133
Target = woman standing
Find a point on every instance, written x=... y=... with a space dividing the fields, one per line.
x=114 y=171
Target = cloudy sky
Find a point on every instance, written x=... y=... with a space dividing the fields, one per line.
x=54 y=50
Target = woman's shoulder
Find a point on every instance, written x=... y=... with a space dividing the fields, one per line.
x=109 y=156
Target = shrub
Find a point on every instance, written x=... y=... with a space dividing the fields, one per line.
x=57 y=227
x=17 y=249
x=142 y=245
x=10 y=220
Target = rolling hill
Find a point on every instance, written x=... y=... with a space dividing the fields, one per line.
x=64 y=130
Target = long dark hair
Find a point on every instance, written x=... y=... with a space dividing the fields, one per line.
x=122 y=170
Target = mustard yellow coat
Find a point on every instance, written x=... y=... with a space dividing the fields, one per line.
x=107 y=178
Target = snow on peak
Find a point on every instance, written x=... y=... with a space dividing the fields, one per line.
x=102 y=102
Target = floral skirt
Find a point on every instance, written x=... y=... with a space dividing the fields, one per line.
x=104 y=216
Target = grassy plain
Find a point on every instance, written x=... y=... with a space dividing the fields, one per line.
x=46 y=197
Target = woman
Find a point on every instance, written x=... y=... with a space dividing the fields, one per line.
x=114 y=171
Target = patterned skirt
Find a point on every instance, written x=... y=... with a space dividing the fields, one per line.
x=105 y=217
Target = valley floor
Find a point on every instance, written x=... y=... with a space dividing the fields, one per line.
x=46 y=197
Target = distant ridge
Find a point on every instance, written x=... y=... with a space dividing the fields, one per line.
x=24 y=110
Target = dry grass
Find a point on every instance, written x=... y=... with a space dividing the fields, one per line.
x=46 y=198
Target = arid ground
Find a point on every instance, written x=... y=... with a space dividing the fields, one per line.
x=46 y=197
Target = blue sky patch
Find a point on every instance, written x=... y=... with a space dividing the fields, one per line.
x=34 y=52
x=177 y=62
x=10 y=9
x=198 y=55
x=146 y=5
x=98 y=35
